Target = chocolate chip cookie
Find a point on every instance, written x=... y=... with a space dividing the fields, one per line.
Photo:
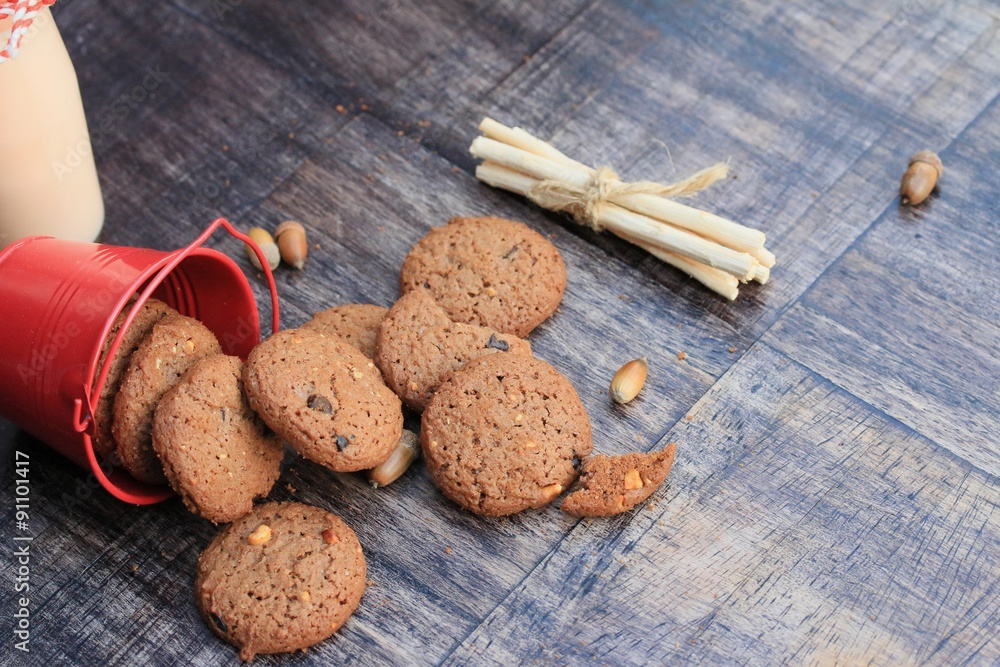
x=325 y=398
x=173 y=346
x=504 y=433
x=615 y=484
x=216 y=452
x=356 y=323
x=488 y=271
x=282 y=578
x=418 y=345
x=151 y=312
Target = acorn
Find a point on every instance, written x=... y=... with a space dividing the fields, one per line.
x=292 y=243
x=407 y=451
x=263 y=239
x=920 y=178
x=628 y=381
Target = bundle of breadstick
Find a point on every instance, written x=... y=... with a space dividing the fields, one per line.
x=717 y=252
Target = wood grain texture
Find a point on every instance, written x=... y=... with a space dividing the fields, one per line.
x=837 y=481
x=920 y=340
x=802 y=527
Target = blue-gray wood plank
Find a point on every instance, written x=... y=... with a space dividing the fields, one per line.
x=836 y=497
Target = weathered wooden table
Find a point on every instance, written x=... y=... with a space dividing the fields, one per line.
x=836 y=496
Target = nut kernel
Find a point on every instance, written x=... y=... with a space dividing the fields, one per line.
x=632 y=480
x=552 y=490
x=628 y=381
x=329 y=536
x=260 y=535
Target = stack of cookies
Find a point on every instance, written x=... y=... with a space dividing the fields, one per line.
x=501 y=430
x=172 y=410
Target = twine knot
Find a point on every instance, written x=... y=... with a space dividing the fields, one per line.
x=604 y=185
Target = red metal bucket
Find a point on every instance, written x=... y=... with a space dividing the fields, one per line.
x=58 y=302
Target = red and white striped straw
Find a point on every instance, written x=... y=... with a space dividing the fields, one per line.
x=22 y=14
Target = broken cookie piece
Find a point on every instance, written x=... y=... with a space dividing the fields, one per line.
x=611 y=485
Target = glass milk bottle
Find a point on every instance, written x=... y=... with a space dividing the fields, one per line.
x=48 y=181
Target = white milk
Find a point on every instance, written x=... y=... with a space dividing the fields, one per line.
x=48 y=182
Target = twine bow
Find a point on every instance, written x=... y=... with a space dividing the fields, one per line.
x=584 y=204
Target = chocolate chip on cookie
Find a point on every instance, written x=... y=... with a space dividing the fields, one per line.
x=356 y=323
x=418 y=345
x=488 y=271
x=615 y=484
x=216 y=452
x=173 y=346
x=325 y=398
x=282 y=578
x=501 y=435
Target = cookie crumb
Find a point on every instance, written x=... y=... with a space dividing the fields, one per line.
x=681 y=356
x=447 y=550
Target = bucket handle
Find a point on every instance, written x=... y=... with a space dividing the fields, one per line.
x=83 y=409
